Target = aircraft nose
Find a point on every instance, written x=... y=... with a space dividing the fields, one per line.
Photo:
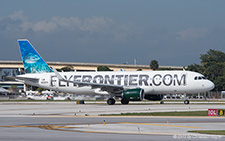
x=211 y=85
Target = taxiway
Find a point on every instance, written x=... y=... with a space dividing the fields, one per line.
x=68 y=121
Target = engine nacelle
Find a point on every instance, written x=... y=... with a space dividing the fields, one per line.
x=136 y=94
x=154 y=97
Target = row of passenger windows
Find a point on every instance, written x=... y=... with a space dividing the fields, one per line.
x=199 y=77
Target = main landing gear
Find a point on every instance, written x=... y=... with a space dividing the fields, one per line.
x=111 y=101
x=124 y=101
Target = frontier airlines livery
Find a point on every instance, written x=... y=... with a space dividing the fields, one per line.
x=126 y=85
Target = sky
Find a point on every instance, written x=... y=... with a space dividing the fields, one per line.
x=173 y=32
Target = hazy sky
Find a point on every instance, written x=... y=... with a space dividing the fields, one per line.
x=173 y=32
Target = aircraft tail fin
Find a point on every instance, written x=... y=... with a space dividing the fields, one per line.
x=32 y=61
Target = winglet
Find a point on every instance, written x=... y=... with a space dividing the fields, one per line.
x=58 y=75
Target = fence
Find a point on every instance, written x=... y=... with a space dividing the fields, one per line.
x=215 y=95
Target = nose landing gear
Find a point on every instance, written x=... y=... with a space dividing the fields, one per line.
x=186 y=102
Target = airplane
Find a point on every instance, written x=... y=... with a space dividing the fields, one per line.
x=126 y=85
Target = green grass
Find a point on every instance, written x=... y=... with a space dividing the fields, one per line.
x=212 y=132
x=190 y=113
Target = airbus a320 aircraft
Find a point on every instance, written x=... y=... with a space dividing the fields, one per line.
x=127 y=85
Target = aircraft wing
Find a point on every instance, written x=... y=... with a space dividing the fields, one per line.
x=104 y=87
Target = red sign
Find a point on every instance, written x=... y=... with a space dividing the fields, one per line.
x=212 y=112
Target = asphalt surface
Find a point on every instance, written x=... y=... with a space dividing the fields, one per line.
x=67 y=121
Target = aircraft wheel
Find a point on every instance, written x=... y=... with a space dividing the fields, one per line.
x=186 y=101
x=124 y=101
x=111 y=101
x=161 y=102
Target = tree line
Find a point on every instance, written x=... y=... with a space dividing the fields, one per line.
x=213 y=67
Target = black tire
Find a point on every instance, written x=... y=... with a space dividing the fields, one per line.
x=186 y=102
x=161 y=102
x=111 y=101
x=124 y=101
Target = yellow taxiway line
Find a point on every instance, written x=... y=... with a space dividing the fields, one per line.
x=75 y=128
x=167 y=125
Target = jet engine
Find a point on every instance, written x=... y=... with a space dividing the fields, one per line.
x=136 y=94
x=154 y=97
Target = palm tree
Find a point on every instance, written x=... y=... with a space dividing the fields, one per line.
x=154 y=65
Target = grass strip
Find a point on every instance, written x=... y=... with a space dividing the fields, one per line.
x=189 y=113
x=212 y=132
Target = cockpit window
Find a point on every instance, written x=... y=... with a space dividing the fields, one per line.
x=203 y=77
x=199 y=78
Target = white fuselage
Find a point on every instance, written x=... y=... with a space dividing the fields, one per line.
x=153 y=82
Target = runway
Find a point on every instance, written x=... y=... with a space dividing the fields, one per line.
x=59 y=121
